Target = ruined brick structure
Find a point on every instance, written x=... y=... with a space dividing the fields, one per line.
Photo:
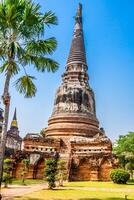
x=38 y=149
x=73 y=129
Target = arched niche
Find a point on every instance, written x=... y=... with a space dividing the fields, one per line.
x=83 y=171
x=39 y=169
x=104 y=170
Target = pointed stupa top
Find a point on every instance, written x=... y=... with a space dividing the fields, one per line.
x=14 y=121
x=77 y=52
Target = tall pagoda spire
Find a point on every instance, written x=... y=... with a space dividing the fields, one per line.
x=14 y=123
x=77 y=52
x=76 y=67
x=74 y=110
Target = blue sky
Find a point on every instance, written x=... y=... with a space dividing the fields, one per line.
x=109 y=41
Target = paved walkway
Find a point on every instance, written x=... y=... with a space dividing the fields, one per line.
x=18 y=190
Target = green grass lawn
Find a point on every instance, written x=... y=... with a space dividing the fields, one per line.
x=129 y=185
x=76 y=195
x=27 y=181
x=80 y=194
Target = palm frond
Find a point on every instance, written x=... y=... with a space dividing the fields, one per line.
x=13 y=67
x=32 y=25
x=42 y=47
x=50 y=18
x=31 y=13
x=43 y=64
x=26 y=86
x=10 y=13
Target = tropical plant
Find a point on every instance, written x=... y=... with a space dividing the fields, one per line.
x=119 y=176
x=50 y=172
x=124 y=149
x=130 y=168
x=61 y=172
x=24 y=170
x=7 y=169
x=22 y=45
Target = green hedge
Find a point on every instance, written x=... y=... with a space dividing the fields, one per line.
x=119 y=176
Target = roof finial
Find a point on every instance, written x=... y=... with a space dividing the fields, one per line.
x=14 y=117
x=78 y=17
x=79 y=11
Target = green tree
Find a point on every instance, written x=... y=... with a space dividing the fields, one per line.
x=50 y=172
x=22 y=45
x=24 y=170
x=7 y=169
x=124 y=149
x=61 y=172
x=130 y=167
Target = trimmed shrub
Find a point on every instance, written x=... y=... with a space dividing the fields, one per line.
x=119 y=176
x=7 y=169
x=50 y=172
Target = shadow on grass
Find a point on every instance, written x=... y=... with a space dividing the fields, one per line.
x=130 y=182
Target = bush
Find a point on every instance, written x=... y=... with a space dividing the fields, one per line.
x=119 y=176
x=50 y=172
x=7 y=169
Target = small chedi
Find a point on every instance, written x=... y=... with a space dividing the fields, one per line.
x=14 y=141
x=73 y=130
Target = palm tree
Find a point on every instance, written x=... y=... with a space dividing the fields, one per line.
x=22 y=45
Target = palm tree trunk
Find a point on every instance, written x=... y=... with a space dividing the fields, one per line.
x=6 y=102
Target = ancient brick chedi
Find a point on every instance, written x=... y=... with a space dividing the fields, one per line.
x=74 y=108
x=73 y=130
x=83 y=144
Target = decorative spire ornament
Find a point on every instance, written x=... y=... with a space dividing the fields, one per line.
x=14 y=123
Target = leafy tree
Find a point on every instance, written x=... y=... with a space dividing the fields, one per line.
x=22 y=45
x=124 y=149
x=24 y=170
x=7 y=169
x=61 y=172
x=130 y=168
x=50 y=172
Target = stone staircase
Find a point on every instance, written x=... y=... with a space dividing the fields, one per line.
x=66 y=157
